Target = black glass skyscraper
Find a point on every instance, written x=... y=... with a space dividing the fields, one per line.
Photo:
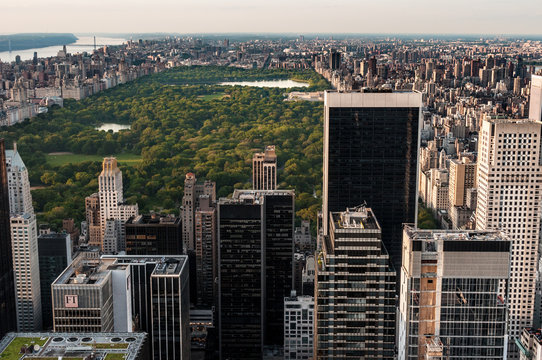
x=370 y=156
x=255 y=231
x=55 y=254
x=7 y=290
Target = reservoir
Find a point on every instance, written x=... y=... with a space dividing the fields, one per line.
x=114 y=127
x=283 y=84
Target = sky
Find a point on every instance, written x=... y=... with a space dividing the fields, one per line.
x=274 y=16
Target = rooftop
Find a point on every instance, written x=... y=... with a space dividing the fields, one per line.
x=153 y=219
x=92 y=270
x=359 y=217
x=51 y=346
x=458 y=235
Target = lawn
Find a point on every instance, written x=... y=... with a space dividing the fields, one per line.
x=12 y=351
x=115 y=356
x=61 y=159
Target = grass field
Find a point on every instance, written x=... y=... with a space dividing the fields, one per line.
x=61 y=159
x=13 y=350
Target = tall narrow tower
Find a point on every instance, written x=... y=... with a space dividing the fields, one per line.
x=111 y=200
x=509 y=198
x=7 y=289
x=24 y=243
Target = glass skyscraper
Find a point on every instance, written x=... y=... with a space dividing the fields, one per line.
x=370 y=157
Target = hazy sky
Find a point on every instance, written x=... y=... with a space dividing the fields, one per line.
x=296 y=16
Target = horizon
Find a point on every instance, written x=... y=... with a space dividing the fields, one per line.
x=258 y=16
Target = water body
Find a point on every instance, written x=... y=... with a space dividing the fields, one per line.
x=84 y=43
x=283 y=84
x=114 y=127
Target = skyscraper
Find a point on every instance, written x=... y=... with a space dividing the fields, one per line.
x=298 y=327
x=170 y=310
x=206 y=252
x=112 y=201
x=92 y=212
x=24 y=240
x=24 y=245
x=7 y=289
x=264 y=169
x=535 y=98
x=20 y=200
x=190 y=202
x=55 y=254
x=154 y=235
x=355 y=290
x=509 y=199
x=255 y=271
x=370 y=156
x=127 y=293
x=334 y=60
x=454 y=295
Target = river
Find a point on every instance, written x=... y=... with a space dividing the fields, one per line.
x=84 y=43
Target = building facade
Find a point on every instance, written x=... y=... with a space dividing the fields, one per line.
x=256 y=272
x=154 y=234
x=298 y=327
x=170 y=310
x=24 y=234
x=8 y=318
x=370 y=156
x=206 y=253
x=264 y=169
x=355 y=290
x=190 y=202
x=112 y=201
x=55 y=254
x=454 y=292
x=509 y=168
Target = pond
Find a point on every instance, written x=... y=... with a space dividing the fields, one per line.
x=114 y=127
x=283 y=84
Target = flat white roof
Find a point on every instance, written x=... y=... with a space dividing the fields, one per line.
x=370 y=99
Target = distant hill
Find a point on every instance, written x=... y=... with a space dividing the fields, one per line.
x=30 y=41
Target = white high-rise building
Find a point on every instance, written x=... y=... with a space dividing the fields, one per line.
x=510 y=199
x=20 y=200
x=264 y=169
x=24 y=244
x=111 y=199
x=535 y=99
x=298 y=327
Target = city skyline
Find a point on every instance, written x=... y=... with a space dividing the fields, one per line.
x=211 y=16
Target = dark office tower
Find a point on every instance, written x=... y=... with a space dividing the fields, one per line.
x=170 y=310
x=240 y=279
x=475 y=68
x=7 y=290
x=370 y=156
x=255 y=269
x=372 y=65
x=55 y=254
x=355 y=290
x=154 y=235
x=206 y=252
x=334 y=63
x=279 y=253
